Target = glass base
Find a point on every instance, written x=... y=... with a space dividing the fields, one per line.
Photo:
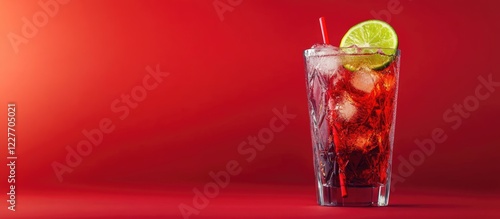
x=356 y=196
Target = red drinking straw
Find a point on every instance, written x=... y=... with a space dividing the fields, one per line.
x=343 y=189
x=336 y=143
x=324 y=32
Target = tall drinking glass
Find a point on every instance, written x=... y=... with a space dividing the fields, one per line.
x=352 y=107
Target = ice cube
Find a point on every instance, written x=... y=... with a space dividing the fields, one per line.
x=361 y=138
x=328 y=65
x=346 y=109
x=363 y=141
x=324 y=49
x=323 y=59
x=364 y=80
x=389 y=81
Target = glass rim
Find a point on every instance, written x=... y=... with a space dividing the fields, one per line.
x=332 y=51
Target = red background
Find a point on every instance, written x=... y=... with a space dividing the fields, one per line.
x=226 y=77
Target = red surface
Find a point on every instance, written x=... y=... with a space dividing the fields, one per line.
x=226 y=77
x=250 y=201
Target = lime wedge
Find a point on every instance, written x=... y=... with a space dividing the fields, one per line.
x=375 y=39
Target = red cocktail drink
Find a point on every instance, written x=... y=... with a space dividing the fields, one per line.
x=352 y=106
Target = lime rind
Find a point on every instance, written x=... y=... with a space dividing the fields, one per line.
x=354 y=58
x=365 y=42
